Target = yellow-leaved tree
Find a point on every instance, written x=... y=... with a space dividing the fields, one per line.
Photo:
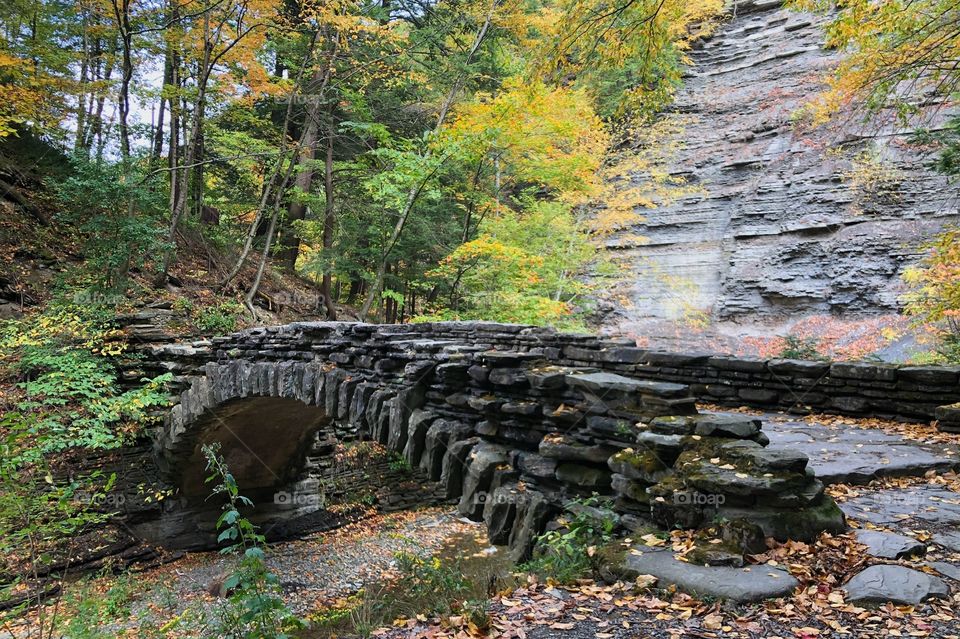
x=894 y=52
x=631 y=53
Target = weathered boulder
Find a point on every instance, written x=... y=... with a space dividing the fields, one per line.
x=665 y=447
x=800 y=524
x=644 y=466
x=500 y=513
x=631 y=489
x=726 y=425
x=725 y=582
x=534 y=465
x=441 y=434
x=583 y=477
x=454 y=466
x=417 y=427
x=534 y=510
x=566 y=448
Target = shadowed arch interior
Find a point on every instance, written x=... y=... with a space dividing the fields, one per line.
x=263 y=440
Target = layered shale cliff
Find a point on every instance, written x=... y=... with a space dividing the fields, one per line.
x=789 y=220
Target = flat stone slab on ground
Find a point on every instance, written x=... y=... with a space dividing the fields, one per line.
x=887 y=545
x=901 y=585
x=949 y=540
x=952 y=571
x=753 y=583
x=855 y=455
x=925 y=503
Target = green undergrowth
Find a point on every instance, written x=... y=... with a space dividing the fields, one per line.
x=214 y=318
x=454 y=585
x=62 y=399
x=60 y=367
x=576 y=549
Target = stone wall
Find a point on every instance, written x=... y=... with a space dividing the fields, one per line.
x=513 y=422
x=906 y=393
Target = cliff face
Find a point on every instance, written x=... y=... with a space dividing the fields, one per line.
x=785 y=225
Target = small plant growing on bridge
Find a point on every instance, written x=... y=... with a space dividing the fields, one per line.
x=399 y=464
x=254 y=609
x=218 y=318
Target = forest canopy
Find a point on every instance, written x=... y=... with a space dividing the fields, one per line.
x=393 y=152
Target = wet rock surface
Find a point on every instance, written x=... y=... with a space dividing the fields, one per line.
x=886 y=545
x=929 y=515
x=926 y=504
x=855 y=455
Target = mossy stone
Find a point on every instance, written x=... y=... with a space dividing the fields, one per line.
x=798 y=524
x=645 y=466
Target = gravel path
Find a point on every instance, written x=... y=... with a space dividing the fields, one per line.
x=314 y=571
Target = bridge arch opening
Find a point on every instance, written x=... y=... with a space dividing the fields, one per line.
x=264 y=441
x=307 y=446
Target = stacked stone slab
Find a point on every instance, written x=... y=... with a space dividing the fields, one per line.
x=948 y=418
x=691 y=471
x=501 y=419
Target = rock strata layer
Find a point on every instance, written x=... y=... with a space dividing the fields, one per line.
x=781 y=224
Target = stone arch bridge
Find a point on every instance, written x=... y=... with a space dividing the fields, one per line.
x=513 y=423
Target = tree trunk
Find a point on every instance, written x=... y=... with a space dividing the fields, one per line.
x=328 y=222
x=173 y=152
x=252 y=293
x=96 y=131
x=356 y=288
x=167 y=82
x=192 y=146
x=271 y=183
x=289 y=242
x=414 y=192
x=84 y=79
x=121 y=10
x=288 y=246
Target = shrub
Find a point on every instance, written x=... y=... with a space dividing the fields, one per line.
x=69 y=383
x=92 y=613
x=796 y=347
x=255 y=609
x=119 y=213
x=437 y=586
x=571 y=551
x=218 y=318
x=456 y=589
